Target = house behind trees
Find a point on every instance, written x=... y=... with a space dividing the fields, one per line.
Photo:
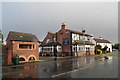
x=103 y=43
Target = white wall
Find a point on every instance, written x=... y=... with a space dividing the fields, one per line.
x=59 y=48
x=83 y=48
x=109 y=45
x=80 y=37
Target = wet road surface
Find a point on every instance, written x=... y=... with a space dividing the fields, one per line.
x=81 y=67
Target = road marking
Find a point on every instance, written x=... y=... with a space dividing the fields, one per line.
x=69 y=72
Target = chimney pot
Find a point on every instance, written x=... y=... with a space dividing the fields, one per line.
x=64 y=25
x=83 y=31
x=101 y=38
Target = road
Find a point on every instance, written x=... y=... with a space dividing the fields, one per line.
x=81 y=67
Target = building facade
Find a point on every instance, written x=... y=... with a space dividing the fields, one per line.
x=23 y=45
x=73 y=43
x=103 y=43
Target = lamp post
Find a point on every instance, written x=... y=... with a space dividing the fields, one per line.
x=55 y=52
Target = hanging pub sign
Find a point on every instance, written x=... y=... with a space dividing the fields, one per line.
x=66 y=41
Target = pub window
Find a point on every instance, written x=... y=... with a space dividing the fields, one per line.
x=48 y=40
x=54 y=39
x=66 y=41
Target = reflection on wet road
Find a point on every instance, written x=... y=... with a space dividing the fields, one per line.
x=81 y=67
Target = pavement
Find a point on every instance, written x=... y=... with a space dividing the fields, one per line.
x=67 y=67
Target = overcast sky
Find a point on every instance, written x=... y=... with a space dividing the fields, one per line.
x=98 y=18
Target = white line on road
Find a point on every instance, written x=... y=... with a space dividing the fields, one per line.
x=69 y=72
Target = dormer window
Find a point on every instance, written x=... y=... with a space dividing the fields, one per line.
x=48 y=40
x=54 y=39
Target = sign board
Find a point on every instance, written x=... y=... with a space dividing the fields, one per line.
x=66 y=41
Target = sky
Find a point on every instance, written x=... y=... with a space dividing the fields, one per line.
x=98 y=18
x=60 y=0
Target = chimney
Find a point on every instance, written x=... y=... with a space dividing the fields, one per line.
x=101 y=38
x=83 y=31
x=63 y=26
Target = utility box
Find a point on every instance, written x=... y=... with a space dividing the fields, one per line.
x=16 y=60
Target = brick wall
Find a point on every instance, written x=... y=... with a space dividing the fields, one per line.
x=81 y=53
x=92 y=53
x=49 y=36
x=25 y=52
x=12 y=48
x=62 y=34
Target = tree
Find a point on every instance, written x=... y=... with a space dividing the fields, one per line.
x=1 y=41
x=116 y=46
x=98 y=46
x=1 y=37
x=1 y=45
x=98 y=49
x=104 y=49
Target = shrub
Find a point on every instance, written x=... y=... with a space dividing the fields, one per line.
x=99 y=51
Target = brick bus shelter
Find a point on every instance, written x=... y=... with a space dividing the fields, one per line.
x=23 y=45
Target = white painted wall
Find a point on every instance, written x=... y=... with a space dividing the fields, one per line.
x=109 y=45
x=59 y=48
x=80 y=37
x=83 y=48
x=40 y=49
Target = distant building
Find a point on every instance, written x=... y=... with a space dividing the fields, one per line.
x=103 y=43
x=23 y=45
x=70 y=42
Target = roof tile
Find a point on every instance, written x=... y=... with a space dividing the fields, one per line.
x=19 y=36
x=98 y=40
